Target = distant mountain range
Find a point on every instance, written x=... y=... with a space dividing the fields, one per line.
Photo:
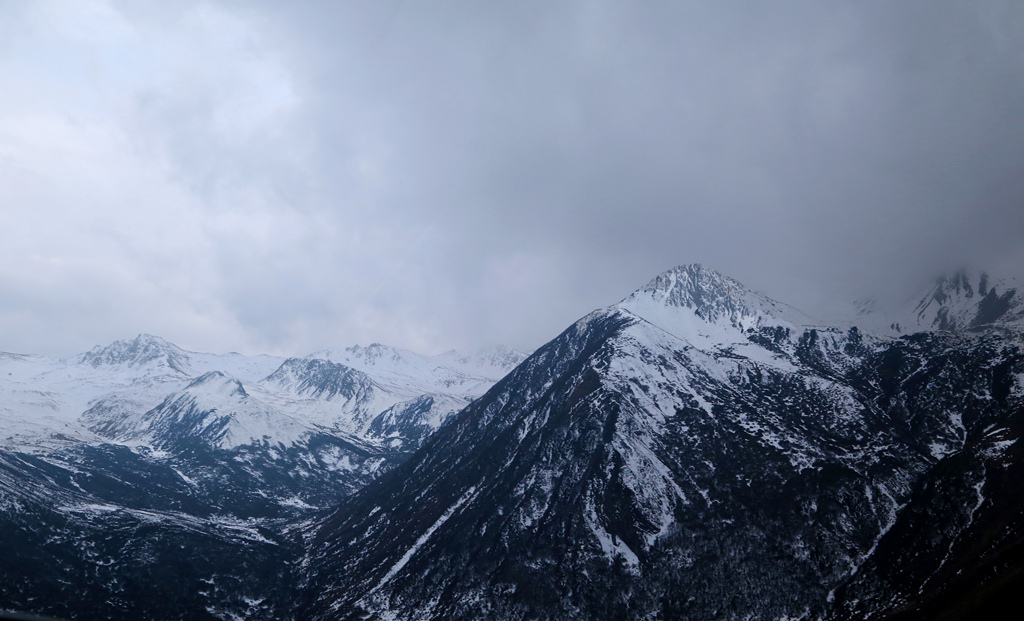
x=695 y=451
x=140 y=474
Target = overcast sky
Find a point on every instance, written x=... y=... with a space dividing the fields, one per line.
x=280 y=177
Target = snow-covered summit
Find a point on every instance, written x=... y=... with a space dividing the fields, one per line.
x=383 y=393
x=109 y=392
x=711 y=311
x=712 y=297
x=318 y=378
x=216 y=410
x=144 y=349
x=960 y=302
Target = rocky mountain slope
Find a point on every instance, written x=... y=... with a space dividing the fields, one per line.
x=697 y=451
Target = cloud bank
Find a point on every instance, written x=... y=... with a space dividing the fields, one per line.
x=283 y=177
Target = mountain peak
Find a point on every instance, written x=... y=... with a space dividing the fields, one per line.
x=217 y=382
x=693 y=286
x=711 y=297
x=320 y=377
x=619 y=460
x=963 y=300
x=374 y=353
x=143 y=349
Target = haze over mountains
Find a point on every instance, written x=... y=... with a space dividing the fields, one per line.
x=697 y=450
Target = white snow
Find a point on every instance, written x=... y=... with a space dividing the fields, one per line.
x=956 y=298
x=610 y=545
x=49 y=403
x=712 y=312
x=397 y=567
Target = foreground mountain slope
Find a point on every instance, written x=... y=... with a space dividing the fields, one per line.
x=693 y=452
x=957 y=549
x=114 y=537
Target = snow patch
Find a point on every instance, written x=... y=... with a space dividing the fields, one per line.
x=423 y=539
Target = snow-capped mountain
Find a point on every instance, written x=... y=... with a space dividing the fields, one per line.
x=48 y=402
x=412 y=374
x=213 y=409
x=963 y=301
x=161 y=482
x=142 y=351
x=387 y=395
x=696 y=452
x=109 y=393
x=714 y=313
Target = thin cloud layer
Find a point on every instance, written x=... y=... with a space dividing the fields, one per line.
x=266 y=177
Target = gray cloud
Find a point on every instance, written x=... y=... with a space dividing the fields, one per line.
x=272 y=177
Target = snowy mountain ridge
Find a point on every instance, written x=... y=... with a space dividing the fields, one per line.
x=142 y=350
x=107 y=393
x=215 y=409
x=189 y=467
x=405 y=372
x=714 y=298
x=716 y=314
x=954 y=303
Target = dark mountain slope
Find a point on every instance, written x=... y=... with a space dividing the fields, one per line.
x=114 y=537
x=957 y=549
x=670 y=461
